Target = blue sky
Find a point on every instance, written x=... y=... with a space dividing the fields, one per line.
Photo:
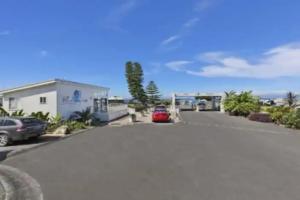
x=183 y=45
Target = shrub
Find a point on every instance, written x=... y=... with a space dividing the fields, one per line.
x=18 y=113
x=82 y=116
x=292 y=119
x=277 y=113
x=41 y=116
x=241 y=104
x=55 y=122
x=260 y=117
x=74 y=125
x=3 y=112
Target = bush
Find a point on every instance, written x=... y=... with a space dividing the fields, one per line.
x=74 y=125
x=41 y=116
x=3 y=112
x=85 y=116
x=277 y=113
x=292 y=119
x=55 y=122
x=241 y=104
x=18 y=113
x=260 y=117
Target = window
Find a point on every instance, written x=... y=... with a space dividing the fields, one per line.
x=9 y=123
x=1 y=122
x=100 y=105
x=12 y=103
x=43 y=100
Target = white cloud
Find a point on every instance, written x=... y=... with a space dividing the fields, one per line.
x=282 y=61
x=202 y=5
x=181 y=33
x=116 y=15
x=178 y=65
x=170 y=40
x=191 y=22
x=5 y=32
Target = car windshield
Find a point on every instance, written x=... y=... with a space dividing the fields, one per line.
x=160 y=110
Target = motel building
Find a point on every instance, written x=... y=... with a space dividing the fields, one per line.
x=58 y=97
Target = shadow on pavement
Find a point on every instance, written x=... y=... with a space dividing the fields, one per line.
x=3 y=155
x=42 y=139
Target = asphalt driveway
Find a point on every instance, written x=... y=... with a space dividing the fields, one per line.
x=209 y=156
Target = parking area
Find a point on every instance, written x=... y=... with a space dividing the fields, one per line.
x=21 y=146
x=207 y=156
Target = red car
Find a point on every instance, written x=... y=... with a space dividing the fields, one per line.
x=160 y=115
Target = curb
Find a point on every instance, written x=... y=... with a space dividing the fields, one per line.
x=18 y=185
x=17 y=152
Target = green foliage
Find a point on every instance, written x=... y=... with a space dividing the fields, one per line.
x=41 y=116
x=292 y=119
x=138 y=107
x=74 y=125
x=265 y=108
x=166 y=102
x=241 y=104
x=3 y=112
x=291 y=99
x=55 y=122
x=278 y=112
x=18 y=113
x=85 y=115
x=135 y=78
x=152 y=93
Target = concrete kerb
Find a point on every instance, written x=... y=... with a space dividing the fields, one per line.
x=14 y=153
x=18 y=185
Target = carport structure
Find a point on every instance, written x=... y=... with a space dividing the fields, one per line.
x=216 y=99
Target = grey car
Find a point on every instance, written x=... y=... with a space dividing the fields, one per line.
x=20 y=128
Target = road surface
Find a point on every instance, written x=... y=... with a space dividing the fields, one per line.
x=210 y=156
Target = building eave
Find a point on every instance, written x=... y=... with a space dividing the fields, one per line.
x=26 y=87
x=49 y=82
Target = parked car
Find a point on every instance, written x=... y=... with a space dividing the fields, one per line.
x=160 y=114
x=20 y=128
x=201 y=106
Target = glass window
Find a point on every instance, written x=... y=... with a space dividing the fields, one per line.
x=1 y=122
x=43 y=100
x=9 y=123
x=103 y=105
x=28 y=121
x=12 y=103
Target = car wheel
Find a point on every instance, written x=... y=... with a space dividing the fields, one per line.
x=4 y=140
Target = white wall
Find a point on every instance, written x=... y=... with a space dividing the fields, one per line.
x=29 y=100
x=115 y=112
x=65 y=93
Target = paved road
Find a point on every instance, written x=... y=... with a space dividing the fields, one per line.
x=25 y=145
x=208 y=157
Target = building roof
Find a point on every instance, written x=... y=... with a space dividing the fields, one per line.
x=115 y=98
x=49 y=82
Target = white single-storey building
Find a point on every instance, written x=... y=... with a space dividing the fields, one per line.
x=56 y=97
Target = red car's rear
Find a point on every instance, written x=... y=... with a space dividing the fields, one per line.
x=160 y=115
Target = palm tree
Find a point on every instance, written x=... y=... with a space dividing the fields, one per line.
x=291 y=99
x=3 y=112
